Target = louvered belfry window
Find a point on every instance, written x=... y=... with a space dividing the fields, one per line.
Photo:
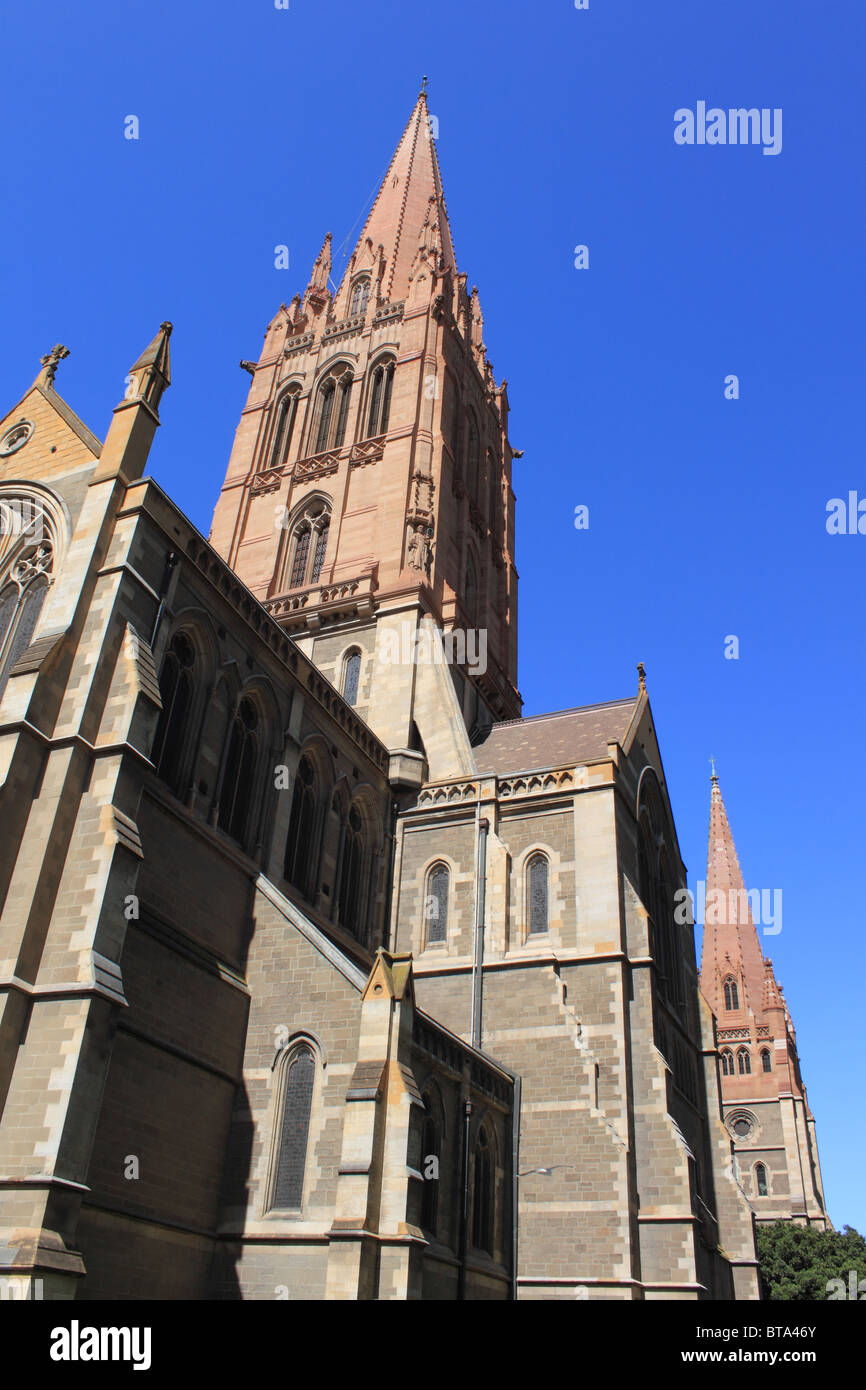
x=295 y=1130
x=537 y=892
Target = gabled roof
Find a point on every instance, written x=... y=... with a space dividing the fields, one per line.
x=66 y=413
x=551 y=740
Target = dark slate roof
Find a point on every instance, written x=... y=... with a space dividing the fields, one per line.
x=552 y=740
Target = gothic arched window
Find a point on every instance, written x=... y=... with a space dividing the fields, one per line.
x=482 y=1194
x=727 y=1064
x=472 y=457
x=236 y=794
x=319 y=551
x=28 y=543
x=766 y=1059
x=294 y=1133
x=286 y=418
x=744 y=1062
x=300 y=556
x=381 y=386
x=332 y=409
x=431 y=1150
x=436 y=904
x=308 y=544
x=351 y=676
x=176 y=687
x=325 y=411
x=299 y=867
x=470 y=588
x=360 y=296
x=761 y=1180
x=537 y=888
x=352 y=858
x=732 y=995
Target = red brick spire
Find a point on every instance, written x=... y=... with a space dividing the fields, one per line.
x=401 y=208
x=731 y=950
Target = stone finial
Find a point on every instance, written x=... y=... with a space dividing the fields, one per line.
x=50 y=363
x=715 y=776
x=641 y=676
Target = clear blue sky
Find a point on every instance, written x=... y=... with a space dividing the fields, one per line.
x=707 y=516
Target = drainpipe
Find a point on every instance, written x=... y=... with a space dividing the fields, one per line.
x=464 y=1202
x=482 y=826
x=515 y=1186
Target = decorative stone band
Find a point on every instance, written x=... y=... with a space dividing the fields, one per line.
x=530 y=784
x=368 y=451
x=345 y=328
x=299 y=344
x=386 y=312
x=349 y=595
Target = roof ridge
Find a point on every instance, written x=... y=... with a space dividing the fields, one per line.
x=557 y=713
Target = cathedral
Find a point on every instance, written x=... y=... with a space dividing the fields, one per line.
x=324 y=973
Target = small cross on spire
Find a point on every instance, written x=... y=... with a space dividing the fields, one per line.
x=51 y=360
x=423 y=91
x=714 y=777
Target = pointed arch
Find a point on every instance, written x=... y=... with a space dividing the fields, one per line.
x=437 y=894
x=34 y=533
x=381 y=379
x=243 y=795
x=766 y=1059
x=732 y=995
x=432 y=1143
x=473 y=454
x=331 y=408
x=350 y=678
x=297 y=1082
x=357 y=862
x=744 y=1062
x=301 y=862
x=306 y=545
x=286 y=415
x=762 y=1188
x=727 y=1060
x=484 y=1191
x=360 y=295
x=537 y=893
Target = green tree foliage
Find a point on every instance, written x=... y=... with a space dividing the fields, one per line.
x=798 y=1262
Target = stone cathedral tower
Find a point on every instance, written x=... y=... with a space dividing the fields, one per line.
x=368 y=499
x=379 y=984
x=765 y=1103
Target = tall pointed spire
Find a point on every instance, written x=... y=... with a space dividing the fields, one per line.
x=731 y=949
x=410 y=193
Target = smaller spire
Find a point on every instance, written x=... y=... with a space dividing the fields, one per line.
x=50 y=363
